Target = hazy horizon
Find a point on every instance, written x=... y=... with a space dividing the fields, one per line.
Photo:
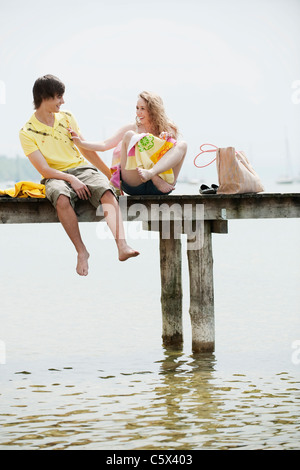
x=229 y=73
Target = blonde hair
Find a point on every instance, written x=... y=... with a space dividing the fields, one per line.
x=159 y=119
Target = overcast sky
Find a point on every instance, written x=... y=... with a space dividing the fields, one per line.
x=225 y=69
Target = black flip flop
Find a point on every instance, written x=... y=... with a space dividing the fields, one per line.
x=203 y=187
x=208 y=190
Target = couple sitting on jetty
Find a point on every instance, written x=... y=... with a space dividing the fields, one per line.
x=146 y=160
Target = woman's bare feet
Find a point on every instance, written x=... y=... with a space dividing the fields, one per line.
x=145 y=175
x=161 y=184
x=82 y=267
x=126 y=252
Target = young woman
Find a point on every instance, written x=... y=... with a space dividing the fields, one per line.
x=151 y=119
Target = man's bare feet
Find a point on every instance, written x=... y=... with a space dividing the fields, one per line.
x=126 y=252
x=82 y=267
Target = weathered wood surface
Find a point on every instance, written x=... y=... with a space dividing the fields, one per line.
x=201 y=311
x=145 y=208
x=171 y=290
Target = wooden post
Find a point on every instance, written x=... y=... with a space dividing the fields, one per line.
x=200 y=263
x=171 y=289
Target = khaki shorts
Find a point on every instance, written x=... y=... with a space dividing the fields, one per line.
x=97 y=183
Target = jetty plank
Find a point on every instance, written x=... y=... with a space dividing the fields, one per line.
x=145 y=208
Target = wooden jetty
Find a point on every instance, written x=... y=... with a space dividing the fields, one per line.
x=196 y=215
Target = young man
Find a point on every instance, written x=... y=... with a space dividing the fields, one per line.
x=67 y=175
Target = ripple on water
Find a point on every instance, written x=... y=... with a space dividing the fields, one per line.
x=184 y=402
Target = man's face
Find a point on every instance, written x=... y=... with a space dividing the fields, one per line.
x=54 y=104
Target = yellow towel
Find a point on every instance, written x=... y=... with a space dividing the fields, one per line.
x=25 y=189
x=146 y=150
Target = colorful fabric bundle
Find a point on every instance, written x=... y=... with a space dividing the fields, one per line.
x=25 y=189
x=145 y=150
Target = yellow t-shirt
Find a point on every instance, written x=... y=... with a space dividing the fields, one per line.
x=55 y=143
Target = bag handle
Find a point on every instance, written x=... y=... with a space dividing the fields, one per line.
x=204 y=151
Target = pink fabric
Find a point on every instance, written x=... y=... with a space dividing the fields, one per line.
x=116 y=176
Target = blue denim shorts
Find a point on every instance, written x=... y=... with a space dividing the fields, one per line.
x=144 y=189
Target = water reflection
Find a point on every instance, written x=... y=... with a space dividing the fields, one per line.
x=186 y=393
x=206 y=411
x=179 y=402
x=187 y=386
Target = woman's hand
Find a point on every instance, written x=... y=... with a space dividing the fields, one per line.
x=80 y=188
x=83 y=144
x=166 y=135
x=75 y=136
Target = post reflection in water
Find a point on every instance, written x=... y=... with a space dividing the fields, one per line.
x=200 y=409
x=187 y=395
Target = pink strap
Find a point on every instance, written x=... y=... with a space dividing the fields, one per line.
x=204 y=151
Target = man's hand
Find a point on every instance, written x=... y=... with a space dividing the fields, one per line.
x=80 y=188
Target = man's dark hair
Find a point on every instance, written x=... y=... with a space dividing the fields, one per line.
x=46 y=87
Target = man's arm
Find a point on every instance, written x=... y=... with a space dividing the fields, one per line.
x=38 y=161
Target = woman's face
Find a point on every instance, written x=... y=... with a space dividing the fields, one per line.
x=142 y=112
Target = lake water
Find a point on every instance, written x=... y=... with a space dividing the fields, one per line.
x=83 y=366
